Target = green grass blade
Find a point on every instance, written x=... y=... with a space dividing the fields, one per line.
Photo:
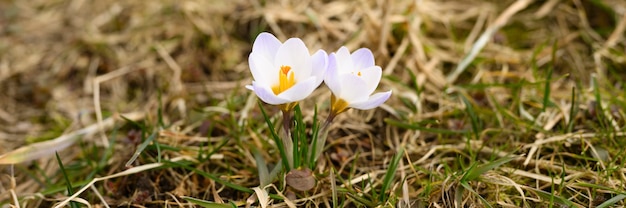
x=314 y=139
x=70 y=191
x=140 y=148
x=210 y=176
x=551 y=197
x=160 y=110
x=473 y=117
x=277 y=168
x=474 y=173
x=277 y=140
x=533 y=58
x=56 y=188
x=361 y=200
x=217 y=148
x=471 y=190
x=264 y=173
x=391 y=172
x=596 y=186
x=599 y=109
x=546 y=89
x=299 y=137
x=207 y=204
x=612 y=201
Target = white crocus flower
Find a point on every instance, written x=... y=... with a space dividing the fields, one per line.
x=352 y=78
x=284 y=73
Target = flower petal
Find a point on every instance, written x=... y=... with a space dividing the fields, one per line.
x=331 y=79
x=295 y=54
x=266 y=45
x=353 y=88
x=299 y=91
x=371 y=76
x=344 y=61
x=362 y=58
x=320 y=65
x=373 y=101
x=263 y=70
x=266 y=95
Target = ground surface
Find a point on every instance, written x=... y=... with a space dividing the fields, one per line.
x=495 y=103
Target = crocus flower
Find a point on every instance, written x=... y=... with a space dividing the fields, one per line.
x=284 y=73
x=352 y=78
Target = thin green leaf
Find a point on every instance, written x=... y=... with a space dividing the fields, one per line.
x=70 y=191
x=546 y=89
x=473 y=117
x=391 y=172
x=549 y=196
x=479 y=170
x=264 y=173
x=160 y=110
x=141 y=147
x=277 y=168
x=612 y=201
x=299 y=138
x=208 y=204
x=56 y=189
x=599 y=109
x=470 y=189
x=276 y=138
x=208 y=175
x=361 y=200
x=214 y=150
x=314 y=139
x=533 y=58
x=596 y=186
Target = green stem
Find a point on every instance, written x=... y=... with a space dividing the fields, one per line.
x=286 y=138
x=317 y=146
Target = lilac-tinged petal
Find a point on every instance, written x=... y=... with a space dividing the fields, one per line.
x=300 y=90
x=295 y=54
x=371 y=76
x=331 y=79
x=320 y=65
x=266 y=94
x=352 y=88
x=344 y=61
x=373 y=101
x=266 y=45
x=362 y=58
x=263 y=70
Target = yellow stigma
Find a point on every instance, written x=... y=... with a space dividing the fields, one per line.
x=285 y=80
x=358 y=74
x=337 y=106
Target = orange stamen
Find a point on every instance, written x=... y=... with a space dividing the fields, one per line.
x=286 y=80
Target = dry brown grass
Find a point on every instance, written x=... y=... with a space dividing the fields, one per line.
x=66 y=65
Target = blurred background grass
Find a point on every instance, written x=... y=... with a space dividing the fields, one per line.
x=554 y=67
